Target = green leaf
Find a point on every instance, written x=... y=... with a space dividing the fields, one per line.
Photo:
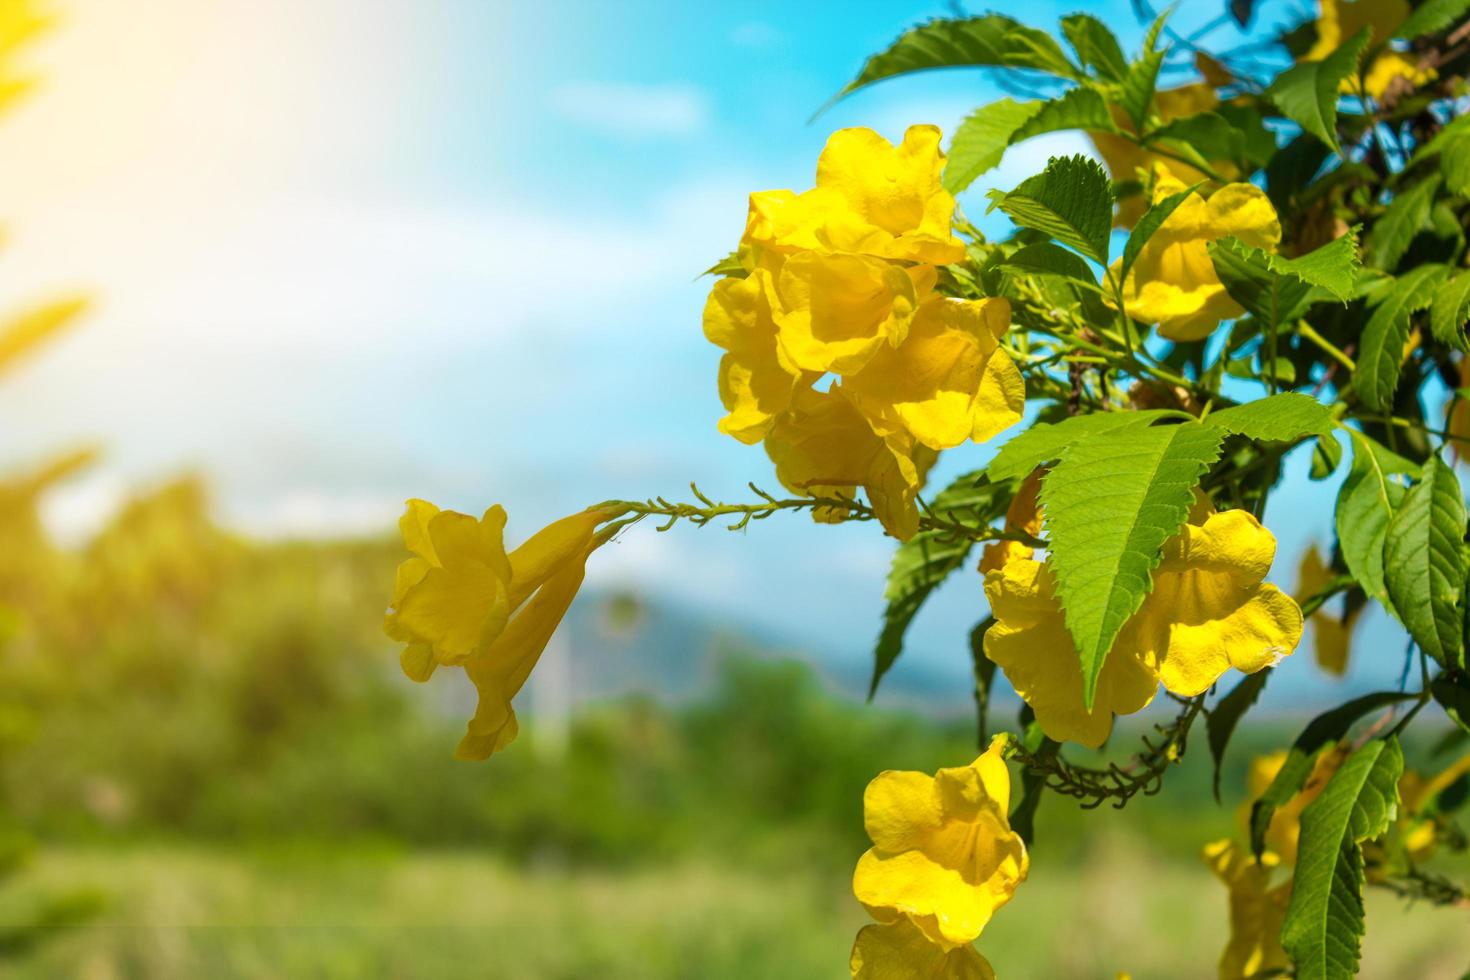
x=1050 y=258
x=1136 y=93
x=981 y=140
x=1096 y=46
x=1365 y=504
x=1424 y=563
x=1247 y=276
x=1081 y=108
x=1221 y=722
x=984 y=670
x=1381 y=351
x=1454 y=166
x=1326 y=454
x=1145 y=227
x=1431 y=17
x=728 y=266
x=1321 y=732
x=1323 y=928
x=1400 y=222
x=1286 y=417
x=1046 y=441
x=1307 y=93
x=1033 y=784
x=1449 y=311
x=1071 y=200
x=1206 y=134
x=1453 y=696
x=989 y=41
x=1277 y=290
x=927 y=559
x=1110 y=503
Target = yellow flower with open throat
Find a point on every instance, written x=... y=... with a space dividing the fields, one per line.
x=871 y=198
x=944 y=855
x=1173 y=282
x=1209 y=610
x=897 y=950
x=462 y=600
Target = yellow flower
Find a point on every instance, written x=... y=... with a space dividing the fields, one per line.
x=943 y=854
x=461 y=599
x=897 y=950
x=1209 y=610
x=823 y=447
x=1127 y=160
x=1257 y=910
x=452 y=597
x=835 y=311
x=871 y=198
x=949 y=381
x=1341 y=19
x=1284 y=832
x=756 y=380
x=1023 y=514
x=20 y=22
x=1331 y=633
x=1173 y=282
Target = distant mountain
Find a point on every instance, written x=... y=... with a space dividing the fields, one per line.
x=613 y=645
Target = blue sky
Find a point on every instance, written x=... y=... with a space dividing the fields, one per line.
x=348 y=252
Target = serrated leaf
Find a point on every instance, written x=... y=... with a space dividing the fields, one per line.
x=1095 y=45
x=1365 y=504
x=1307 y=93
x=1226 y=714
x=1206 y=134
x=923 y=562
x=1045 y=441
x=1321 y=732
x=1449 y=311
x=1080 y=108
x=1110 y=504
x=1247 y=276
x=1381 y=351
x=1144 y=228
x=981 y=140
x=1136 y=93
x=1424 y=562
x=1050 y=258
x=1071 y=200
x=1275 y=289
x=988 y=41
x=1323 y=927
x=1431 y=17
x=1400 y=222
x=1286 y=417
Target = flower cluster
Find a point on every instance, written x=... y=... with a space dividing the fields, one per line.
x=839 y=282
x=462 y=601
x=943 y=859
x=1210 y=610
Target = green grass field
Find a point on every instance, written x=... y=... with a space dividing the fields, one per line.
x=189 y=912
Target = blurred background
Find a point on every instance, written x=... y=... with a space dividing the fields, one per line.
x=341 y=253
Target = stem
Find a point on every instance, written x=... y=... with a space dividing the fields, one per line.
x=1305 y=330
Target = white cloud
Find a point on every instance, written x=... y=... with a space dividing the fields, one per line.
x=632 y=110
